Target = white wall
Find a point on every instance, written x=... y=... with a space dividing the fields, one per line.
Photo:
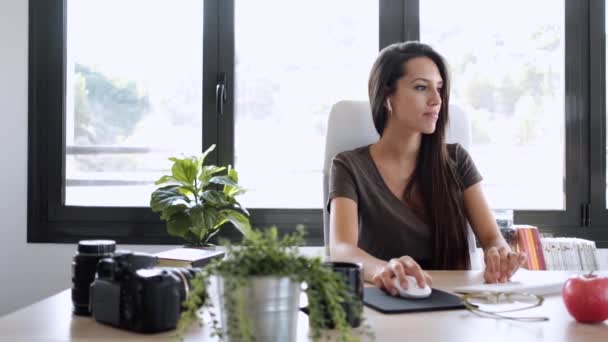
x=28 y=272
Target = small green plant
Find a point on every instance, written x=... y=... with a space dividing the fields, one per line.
x=265 y=254
x=197 y=200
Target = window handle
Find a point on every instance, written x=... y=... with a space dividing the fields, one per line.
x=220 y=93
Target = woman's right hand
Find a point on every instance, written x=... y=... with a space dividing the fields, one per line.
x=400 y=267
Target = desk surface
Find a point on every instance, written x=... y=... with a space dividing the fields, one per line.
x=51 y=320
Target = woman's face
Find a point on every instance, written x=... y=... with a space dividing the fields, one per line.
x=417 y=97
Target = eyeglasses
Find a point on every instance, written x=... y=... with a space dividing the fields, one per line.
x=496 y=305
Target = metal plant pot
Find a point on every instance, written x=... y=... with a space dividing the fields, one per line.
x=271 y=305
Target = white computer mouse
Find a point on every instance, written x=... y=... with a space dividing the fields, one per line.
x=412 y=291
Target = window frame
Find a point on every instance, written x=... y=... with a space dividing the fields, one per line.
x=51 y=221
x=598 y=146
x=576 y=97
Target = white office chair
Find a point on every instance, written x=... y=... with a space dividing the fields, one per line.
x=350 y=125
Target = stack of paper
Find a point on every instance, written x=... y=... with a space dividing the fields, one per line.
x=523 y=281
x=546 y=288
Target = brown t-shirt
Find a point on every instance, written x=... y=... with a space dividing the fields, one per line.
x=387 y=227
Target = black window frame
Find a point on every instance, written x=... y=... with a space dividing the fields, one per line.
x=598 y=214
x=51 y=221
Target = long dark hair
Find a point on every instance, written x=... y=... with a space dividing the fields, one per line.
x=434 y=175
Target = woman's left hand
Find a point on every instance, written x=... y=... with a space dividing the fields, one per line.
x=501 y=264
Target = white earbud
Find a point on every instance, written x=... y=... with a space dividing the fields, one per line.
x=388 y=105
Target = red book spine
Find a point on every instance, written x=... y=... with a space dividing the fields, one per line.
x=529 y=242
x=522 y=245
x=539 y=250
x=532 y=255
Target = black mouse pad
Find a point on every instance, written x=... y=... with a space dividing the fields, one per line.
x=438 y=300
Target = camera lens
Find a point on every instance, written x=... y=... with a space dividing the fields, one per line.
x=84 y=265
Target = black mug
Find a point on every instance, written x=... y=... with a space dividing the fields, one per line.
x=352 y=273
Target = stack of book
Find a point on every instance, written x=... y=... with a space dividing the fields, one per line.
x=571 y=254
x=556 y=254
x=187 y=257
x=528 y=240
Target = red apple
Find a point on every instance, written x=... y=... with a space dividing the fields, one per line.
x=586 y=298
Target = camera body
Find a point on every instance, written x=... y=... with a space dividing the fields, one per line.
x=128 y=293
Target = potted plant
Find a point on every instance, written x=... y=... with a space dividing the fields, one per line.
x=197 y=200
x=259 y=284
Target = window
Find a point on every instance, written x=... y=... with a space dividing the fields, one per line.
x=285 y=85
x=116 y=87
x=510 y=80
x=133 y=97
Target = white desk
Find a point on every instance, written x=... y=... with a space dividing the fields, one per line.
x=52 y=320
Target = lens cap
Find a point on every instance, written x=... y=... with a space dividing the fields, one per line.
x=96 y=246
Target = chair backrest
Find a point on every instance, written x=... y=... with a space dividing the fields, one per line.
x=350 y=125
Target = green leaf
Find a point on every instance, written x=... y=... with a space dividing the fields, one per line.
x=239 y=220
x=170 y=211
x=223 y=180
x=208 y=172
x=232 y=174
x=241 y=208
x=185 y=170
x=197 y=232
x=215 y=198
x=203 y=216
x=204 y=220
x=215 y=230
x=186 y=191
x=237 y=206
x=167 y=180
x=167 y=197
x=212 y=169
x=206 y=153
x=178 y=225
x=233 y=189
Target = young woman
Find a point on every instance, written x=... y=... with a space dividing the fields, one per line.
x=402 y=204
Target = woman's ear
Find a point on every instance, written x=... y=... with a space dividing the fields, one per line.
x=388 y=105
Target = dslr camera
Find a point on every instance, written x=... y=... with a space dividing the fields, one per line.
x=128 y=293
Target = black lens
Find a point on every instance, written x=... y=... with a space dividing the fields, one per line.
x=84 y=265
